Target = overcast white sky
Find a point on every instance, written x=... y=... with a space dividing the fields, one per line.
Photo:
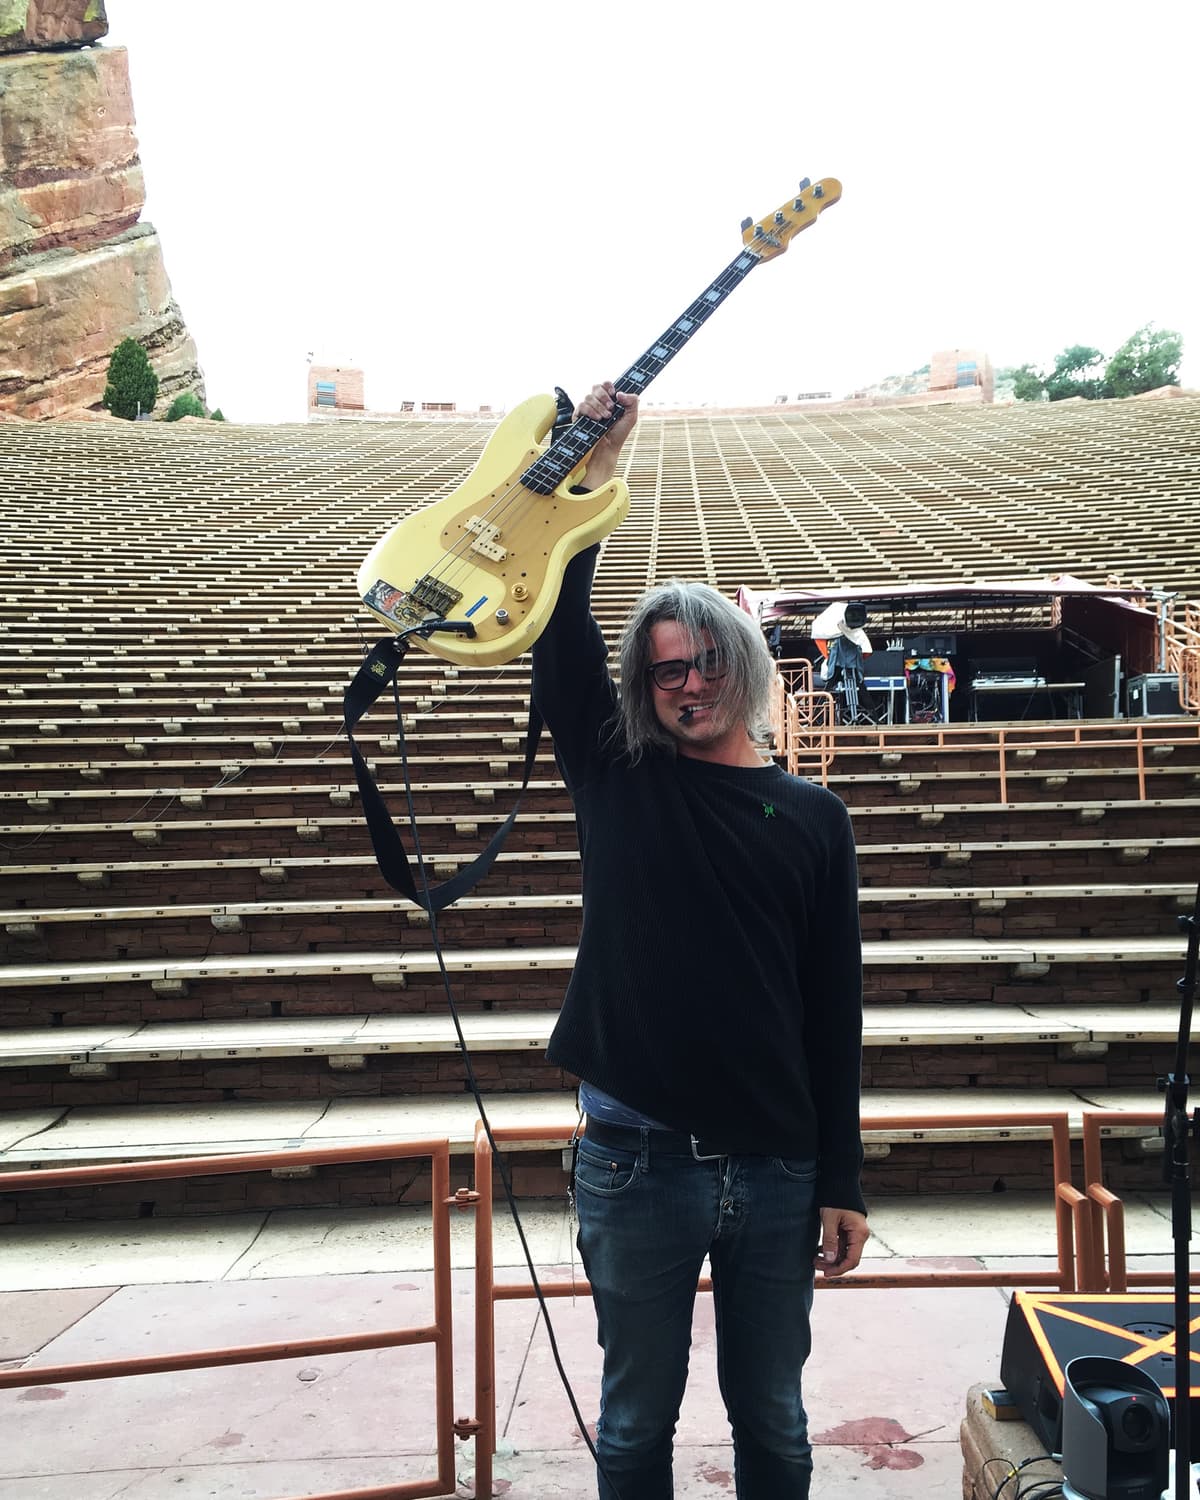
x=475 y=201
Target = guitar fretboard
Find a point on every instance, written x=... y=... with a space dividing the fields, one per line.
x=548 y=471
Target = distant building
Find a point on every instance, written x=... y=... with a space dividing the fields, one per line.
x=961 y=369
x=334 y=388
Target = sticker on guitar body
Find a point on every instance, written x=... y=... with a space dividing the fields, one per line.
x=385 y=598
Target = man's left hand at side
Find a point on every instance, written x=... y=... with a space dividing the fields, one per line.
x=844 y=1235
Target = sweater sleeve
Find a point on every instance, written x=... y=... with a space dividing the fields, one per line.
x=571 y=683
x=833 y=1025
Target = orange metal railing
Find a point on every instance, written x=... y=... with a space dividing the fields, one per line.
x=1070 y=1216
x=1107 y=1267
x=815 y=736
x=1089 y=1238
x=801 y=720
x=439 y=1333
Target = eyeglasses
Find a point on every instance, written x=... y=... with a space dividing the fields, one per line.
x=669 y=675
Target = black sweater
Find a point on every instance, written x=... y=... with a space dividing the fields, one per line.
x=718 y=986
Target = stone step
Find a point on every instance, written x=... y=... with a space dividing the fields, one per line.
x=392 y=963
x=343 y=1036
x=41 y=1139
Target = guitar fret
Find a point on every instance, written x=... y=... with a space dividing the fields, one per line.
x=567 y=452
x=640 y=374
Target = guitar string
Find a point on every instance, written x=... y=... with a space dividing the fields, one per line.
x=503 y=503
x=726 y=281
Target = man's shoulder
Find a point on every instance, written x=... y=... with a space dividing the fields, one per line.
x=812 y=797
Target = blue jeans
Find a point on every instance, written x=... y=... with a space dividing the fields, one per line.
x=649 y=1213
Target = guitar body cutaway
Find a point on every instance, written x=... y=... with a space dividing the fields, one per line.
x=493 y=552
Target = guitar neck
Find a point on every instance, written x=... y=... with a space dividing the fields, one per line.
x=567 y=452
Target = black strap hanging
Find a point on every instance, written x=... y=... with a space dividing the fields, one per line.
x=376 y=673
x=564 y=413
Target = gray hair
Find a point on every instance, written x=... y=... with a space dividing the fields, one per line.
x=739 y=644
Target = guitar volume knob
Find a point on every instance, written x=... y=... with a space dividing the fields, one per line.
x=502 y=617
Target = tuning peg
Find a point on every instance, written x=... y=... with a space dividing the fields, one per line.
x=779 y=216
x=805 y=182
x=746 y=223
x=759 y=232
x=818 y=191
x=798 y=205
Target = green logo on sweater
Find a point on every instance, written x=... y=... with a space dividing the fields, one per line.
x=768 y=809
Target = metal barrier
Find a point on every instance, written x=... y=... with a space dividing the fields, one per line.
x=439 y=1333
x=801 y=720
x=1106 y=1212
x=1084 y=1222
x=1070 y=1215
x=1133 y=742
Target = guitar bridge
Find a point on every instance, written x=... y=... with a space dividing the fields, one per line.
x=435 y=595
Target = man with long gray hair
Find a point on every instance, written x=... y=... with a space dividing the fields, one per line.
x=714 y=1017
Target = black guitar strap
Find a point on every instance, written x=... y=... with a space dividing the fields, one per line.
x=564 y=413
x=377 y=671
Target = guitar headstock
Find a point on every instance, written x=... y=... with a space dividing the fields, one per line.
x=771 y=236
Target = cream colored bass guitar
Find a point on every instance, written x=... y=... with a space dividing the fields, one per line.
x=491 y=555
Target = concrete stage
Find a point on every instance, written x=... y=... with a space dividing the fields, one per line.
x=886 y=1388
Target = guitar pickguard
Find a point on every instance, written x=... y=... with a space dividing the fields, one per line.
x=492 y=552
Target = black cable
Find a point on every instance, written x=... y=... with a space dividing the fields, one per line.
x=982 y=1470
x=476 y=1094
x=1040 y=1489
x=1014 y=1470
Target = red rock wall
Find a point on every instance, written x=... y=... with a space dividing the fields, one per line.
x=78 y=270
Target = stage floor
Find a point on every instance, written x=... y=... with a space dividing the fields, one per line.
x=886 y=1388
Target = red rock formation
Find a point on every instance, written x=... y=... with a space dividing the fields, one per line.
x=78 y=271
x=29 y=24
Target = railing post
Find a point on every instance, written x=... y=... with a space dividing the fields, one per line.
x=485 y=1321
x=1064 y=1224
x=1001 y=747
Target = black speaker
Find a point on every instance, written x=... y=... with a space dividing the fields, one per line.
x=1046 y=1330
x=1152 y=693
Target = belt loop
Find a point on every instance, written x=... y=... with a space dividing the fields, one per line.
x=644 y=1152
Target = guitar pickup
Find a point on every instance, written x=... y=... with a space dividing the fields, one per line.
x=435 y=595
x=487 y=539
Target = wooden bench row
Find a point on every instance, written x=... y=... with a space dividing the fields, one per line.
x=45 y=1138
x=957 y=854
x=988 y=898
x=347 y=1037
x=245 y=782
x=389 y=967
x=548 y=799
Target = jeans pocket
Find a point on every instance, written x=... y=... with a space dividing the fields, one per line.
x=605 y=1171
x=797 y=1168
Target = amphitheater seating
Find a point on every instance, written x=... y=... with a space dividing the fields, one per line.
x=199 y=954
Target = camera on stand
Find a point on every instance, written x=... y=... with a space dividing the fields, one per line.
x=1116 y=1431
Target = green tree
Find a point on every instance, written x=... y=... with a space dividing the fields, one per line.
x=218 y=415
x=132 y=385
x=1076 y=372
x=186 y=404
x=1146 y=360
x=1028 y=384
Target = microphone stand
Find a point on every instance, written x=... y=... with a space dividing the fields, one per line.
x=1177 y=1129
